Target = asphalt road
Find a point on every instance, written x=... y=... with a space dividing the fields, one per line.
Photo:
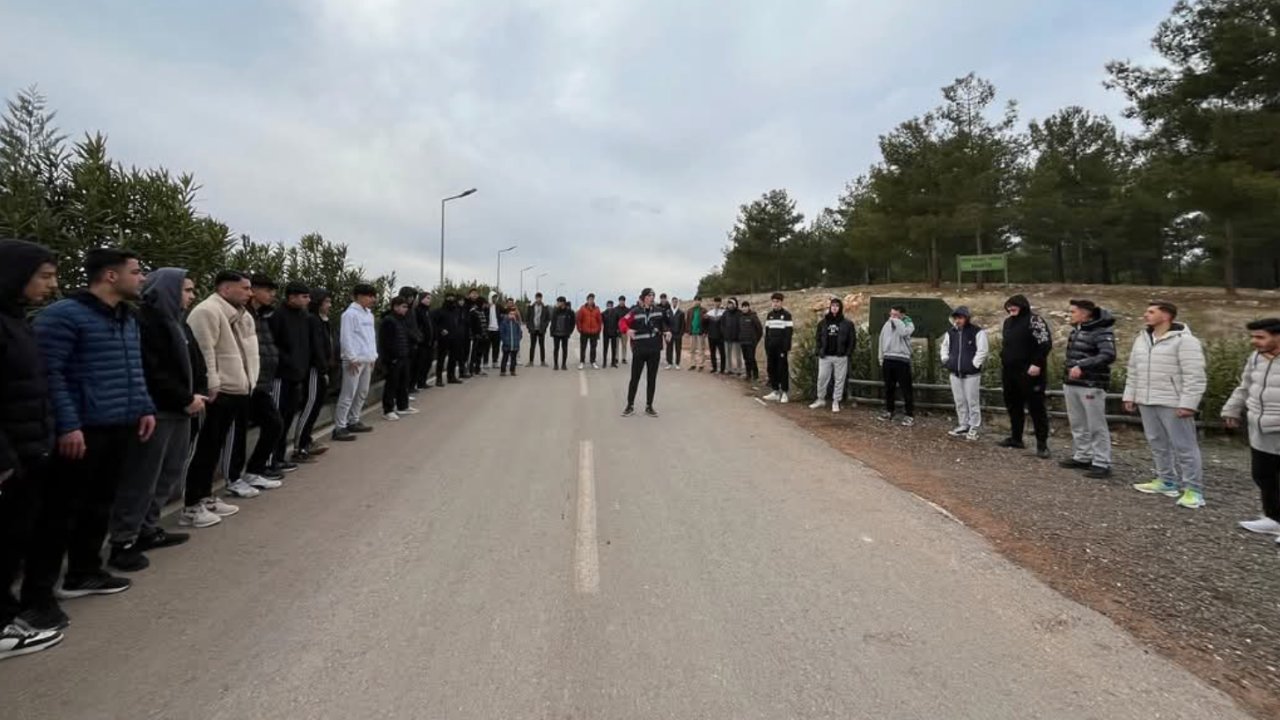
x=521 y=551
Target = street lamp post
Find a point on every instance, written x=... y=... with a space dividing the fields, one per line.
x=497 y=283
x=522 y=272
x=442 y=202
x=537 y=282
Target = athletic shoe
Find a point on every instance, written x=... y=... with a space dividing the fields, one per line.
x=242 y=489
x=45 y=617
x=651 y=412
x=359 y=427
x=1262 y=526
x=908 y=421
x=270 y=473
x=261 y=482
x=885 y=415
x=580 y=366
x=301 y=457
x=595 y=366
x=628 y=411
x=668 y=366
x=220 y=508
x=391 y=416
x=1158 y=487
x=1042 y=452
x=544 y=364
x=159 y=539
x=972 y=435
x=502 y=374
x=198 y=516
x=835 y=407
x=99 y=583
x=773 y=396
x=816 y=404
x=126 y=557
x=16 y=641
x=455 y=381
x=343 y=435
x=316 y=450
x=1097 y=472
x=1191 y=499
x=784 y=399
x=624 y=361
x=409 y=411
x=1074 y=464
x=677 y=366
x=1011 y=443
x=413 y=396
x=283 y=467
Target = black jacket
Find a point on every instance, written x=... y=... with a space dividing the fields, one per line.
x=321 y=343
x=677 y=319
x=731 y=325
x=26 y=414
x=167 y=383
x=1092 y=348
x=268 y=354
x=477 y=319
x=563 y=321
x=393 y=339
x=1026 y=339
x=291 y=330
x=842 y=330
x=542 y=323
x=425 y=320
x=611 y=316
x=749 y=328
x=778 y=330
x=444 y=320
x=648 y=326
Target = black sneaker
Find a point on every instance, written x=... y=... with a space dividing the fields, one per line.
x=16 y=640
x=455 y=381
x=100 y=583
x=650 y=411
x=628 y=411
x=302 y=457
x=1011 y=443
x=1098 y=473
x=1042 y=452
x=44 y=617
x=270 y=474
x=360 y=427
x=343 y=435
x=126 y=557
x=1073 y=464
x=285 y=467
x=160 y=538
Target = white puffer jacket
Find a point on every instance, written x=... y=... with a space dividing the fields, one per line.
x=1168 y=372
x=1258 y=395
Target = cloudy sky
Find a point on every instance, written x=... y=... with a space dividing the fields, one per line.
x=611 y=140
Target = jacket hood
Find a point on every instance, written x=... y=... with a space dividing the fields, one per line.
x=962 y=311
x=1021 y=302
x=162 y=290
x=21 y=260
x=318 y=296
x=1103 y=319
x=839 y=314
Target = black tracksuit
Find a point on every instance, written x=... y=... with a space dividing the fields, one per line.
x=563 y=322
x=1026 y=342
x=426 y=350
x=778 y=331
x=395 y=352
x=647 y=327
x=291 y=328
x=450 y=337
x=321 y=364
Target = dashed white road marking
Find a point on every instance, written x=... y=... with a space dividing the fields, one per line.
x=582 y=384
x=586 y=555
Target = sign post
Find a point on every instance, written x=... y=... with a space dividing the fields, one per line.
x=982 y=263
x=931 y=317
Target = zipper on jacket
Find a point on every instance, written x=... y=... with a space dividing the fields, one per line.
x=1262 y=396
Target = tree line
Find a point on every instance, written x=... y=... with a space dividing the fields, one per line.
x=1193 y=198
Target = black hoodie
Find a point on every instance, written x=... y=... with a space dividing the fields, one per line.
x=291 y=329
x=1026 y=339
x=836 y=336
x=171 y=360
x=321 y=344
x=26 y=415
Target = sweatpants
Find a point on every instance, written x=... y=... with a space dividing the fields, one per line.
x=355 y=390
x=219 y=417
x=897 y=374
x=830 y=368
x=1090 y=436
x=395 y=391
x=20 y=504
x=674 y=349
x=1174 y=446
x=646 y=361
x=538 y=341
x=749 y=362
x=717 y=356
x=560 y=351
x=1266 y=473
x=153 y=472
x=1021 y=391
x=286 y=395
x=77 y=496
x=609 y=346
x=778 y=365
x=698 y=351
x=731 y=357
x=263 y=413
x=967 y=394
x=313 y=395
x=583 y=341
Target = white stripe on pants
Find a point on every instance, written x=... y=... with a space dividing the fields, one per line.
x=1174 y=446
x=826 y=367
x=1090 y=436
x=967 y=393
x=307 y=407
x=733 y=356
x=355 y=390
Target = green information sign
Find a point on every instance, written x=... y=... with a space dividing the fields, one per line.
x=982 y=263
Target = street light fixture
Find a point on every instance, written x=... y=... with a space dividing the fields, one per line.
x=522 y=272
x=442 y=202
x=497 y=285
x=537 y=282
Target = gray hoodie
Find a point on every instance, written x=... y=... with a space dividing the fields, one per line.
x=895 y=339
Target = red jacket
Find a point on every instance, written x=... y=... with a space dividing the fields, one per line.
x=590 y=320
x=624 y=324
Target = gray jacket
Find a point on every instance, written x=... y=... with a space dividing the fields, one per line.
x=895 y=339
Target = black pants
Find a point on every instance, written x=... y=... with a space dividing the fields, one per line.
x=674 y=348
x=1266 y=473
x=509 y=361
x=583 y=341
x=461 y=357
x=607 y=348
x=446 y=361
x=646 y=361
x=538 y=341
x=422 y=364
x=220 y=417
x=494 y=344
x=778 y=365
x=263 y=413
x=560 y=351
x=314 y=393
x=75 y=510
x=395 y=391
x=287 y=396
x=1021 y=393
x=479 y=351
x=20 y=502
x=749 y=362
x=897 y=374
x=717 y=352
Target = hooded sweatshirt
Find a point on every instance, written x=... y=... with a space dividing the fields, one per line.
x=895 y=339
x=836 y=336
x=1026 y=339
x=171 y=360
x=731 y=323
x=26 y=415
x=964 y=349
x=291 y=330
x=321 y=333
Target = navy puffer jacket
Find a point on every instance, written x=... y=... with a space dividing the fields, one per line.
x=94 y=360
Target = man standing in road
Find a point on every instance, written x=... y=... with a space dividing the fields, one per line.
x=895 y=364
x=537 y=318
x=1256 y=401
x=1165 y=383
x=93 y=359
x=836 y=338
x=677 y=320
x=562 y=322
x=964 y=351
x=646 y=330
x=1024 y=354
x=1090 y=352
x=698 y=335
x=778 y=329
x=358 y=342
x=590 y=323
x=611 y=333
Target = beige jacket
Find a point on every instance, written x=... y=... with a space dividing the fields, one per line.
x=228 y=339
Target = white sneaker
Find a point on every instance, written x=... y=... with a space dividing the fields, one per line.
x=908 y=421
x=409 y=411
x=413 y=397
x=668 y=367
x=784 y=399
x=391 y=416
x=816 y=404
x=960 y=431
x=677 y=366
x=972 y=435
x=242 y=489
x=197 y=517
x=835 y=407
x=581 y=366
x=219 y=508
x=260 y=482
x=1262 y=526
x=16 y=640
x=595 y=366
x=773 y=396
